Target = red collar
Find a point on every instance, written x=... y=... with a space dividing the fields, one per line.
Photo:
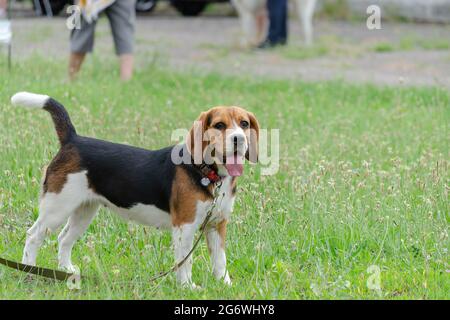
x=209 y=175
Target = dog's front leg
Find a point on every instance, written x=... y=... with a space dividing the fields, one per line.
x=306 y=12
x=215 y=237
x=248 y=23
x=183 y=238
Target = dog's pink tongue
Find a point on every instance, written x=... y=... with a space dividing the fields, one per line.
x=234 y=165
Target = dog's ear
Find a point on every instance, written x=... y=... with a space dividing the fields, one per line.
x=195 y=141
x=253 y=143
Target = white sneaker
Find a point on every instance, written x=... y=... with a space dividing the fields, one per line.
x=5 y=31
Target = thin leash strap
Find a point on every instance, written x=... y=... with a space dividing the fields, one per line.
x=43 y=272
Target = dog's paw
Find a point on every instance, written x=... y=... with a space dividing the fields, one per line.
x=191 y=286
x=69 y=269
x=195 y=286
x=227 y=280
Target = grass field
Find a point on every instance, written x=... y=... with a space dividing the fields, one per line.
x=363 y=181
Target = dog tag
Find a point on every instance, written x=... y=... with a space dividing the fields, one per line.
x=205 y=182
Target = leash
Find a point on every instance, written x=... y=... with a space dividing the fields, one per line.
x=64 y=276
x=39 y=271
x=43 y=272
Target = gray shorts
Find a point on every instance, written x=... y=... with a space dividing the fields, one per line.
x=121 y=15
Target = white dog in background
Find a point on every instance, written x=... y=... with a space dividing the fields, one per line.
x=252 y=14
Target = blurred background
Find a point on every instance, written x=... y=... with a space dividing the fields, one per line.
x=412 y=46
x=422 y=10
x=363 y=171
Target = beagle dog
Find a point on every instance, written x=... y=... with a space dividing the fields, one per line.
x=150 y=187
x=253 y=20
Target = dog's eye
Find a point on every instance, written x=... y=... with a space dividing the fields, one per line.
x=244 y=124
x=219 y=126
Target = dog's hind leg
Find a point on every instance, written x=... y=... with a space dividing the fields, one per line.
x=54 y=209
x=248 y=23
x=78 y=223
x=52 y=214
x=250 y=28
x=306 y=12
x=35 y=237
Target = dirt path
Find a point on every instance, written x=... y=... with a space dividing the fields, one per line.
x=410 y=54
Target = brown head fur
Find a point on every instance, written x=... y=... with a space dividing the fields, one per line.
x=210 y=128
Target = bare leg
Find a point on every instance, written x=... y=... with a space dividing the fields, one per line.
x=3 y=8
x=76 y=60
x=126 y=66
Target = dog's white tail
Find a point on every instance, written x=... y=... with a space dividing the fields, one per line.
x=29 y=100
x=64 y=127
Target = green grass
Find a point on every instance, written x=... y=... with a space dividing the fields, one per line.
x=304 y=52
x=336 y=9
x=363 y=181
x=384 y=47
x=408 y=43
x=332 y=46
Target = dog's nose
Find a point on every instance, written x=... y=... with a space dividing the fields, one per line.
x=238 y=140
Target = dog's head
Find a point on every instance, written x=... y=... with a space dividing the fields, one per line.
x=224 y=136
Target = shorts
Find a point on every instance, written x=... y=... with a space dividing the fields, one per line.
x=121 y=15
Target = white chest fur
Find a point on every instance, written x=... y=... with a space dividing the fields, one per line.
x=224 y=205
